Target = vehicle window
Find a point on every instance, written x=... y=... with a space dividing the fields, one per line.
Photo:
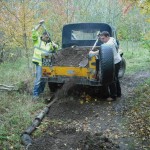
x=84 y=34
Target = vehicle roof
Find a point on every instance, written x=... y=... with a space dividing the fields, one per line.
x=102 y=26
x=67 y=29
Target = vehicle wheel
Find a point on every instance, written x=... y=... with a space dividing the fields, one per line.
x=106 y=66
x=122 y=68
x=53 y=86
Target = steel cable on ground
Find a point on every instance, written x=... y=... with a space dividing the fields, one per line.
x=26 y=135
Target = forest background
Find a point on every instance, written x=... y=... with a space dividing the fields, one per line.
x=18 y=17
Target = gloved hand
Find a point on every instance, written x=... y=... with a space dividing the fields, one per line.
x=55 y=46
x=39 y=25
x=91 y=54
x=41 y=22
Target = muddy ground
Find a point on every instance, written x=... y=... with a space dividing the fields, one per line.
x=84 y=121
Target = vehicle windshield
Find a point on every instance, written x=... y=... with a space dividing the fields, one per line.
x=84 y=34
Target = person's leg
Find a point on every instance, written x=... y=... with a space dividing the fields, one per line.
x=117 y=67
x=105 y=92
x=113 y=90
x=42 y=85
x=113 y=87
x=118 y=88
x=38 y=84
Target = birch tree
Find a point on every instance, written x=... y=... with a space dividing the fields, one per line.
x=16 y=21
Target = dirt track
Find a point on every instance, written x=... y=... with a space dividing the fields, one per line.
x=94 y=124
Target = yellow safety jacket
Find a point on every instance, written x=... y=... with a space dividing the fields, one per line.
x=40 y=47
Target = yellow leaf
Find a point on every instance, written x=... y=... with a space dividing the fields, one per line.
x=81 y=102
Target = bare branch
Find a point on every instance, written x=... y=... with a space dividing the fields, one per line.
x=11 y=12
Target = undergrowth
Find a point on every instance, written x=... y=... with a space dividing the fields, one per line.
x=137 y=58
x=138 y=115
x=16 y=108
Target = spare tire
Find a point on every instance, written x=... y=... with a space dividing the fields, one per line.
x=106 y=64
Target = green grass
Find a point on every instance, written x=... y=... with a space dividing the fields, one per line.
x=17 y=112
x=14 y=72
x=16 y=109
x=137 y=58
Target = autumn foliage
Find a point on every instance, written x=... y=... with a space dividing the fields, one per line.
x=19 y=17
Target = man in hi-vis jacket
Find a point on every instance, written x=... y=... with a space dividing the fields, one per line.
x=42 y=45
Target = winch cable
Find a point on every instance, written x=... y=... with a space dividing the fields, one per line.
x=26 y=135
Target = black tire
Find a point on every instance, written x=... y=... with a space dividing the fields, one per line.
x=106 y=66
x=122 y=68
x=53 y=86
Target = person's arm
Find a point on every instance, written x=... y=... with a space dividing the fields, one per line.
x=35 y=34
x=53 y=47
x=114 y=42
x=93 y=53
x=39 y=25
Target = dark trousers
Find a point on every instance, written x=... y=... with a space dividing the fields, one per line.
x=114 y=88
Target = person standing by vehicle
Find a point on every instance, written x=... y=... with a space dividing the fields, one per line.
x=114 y=88
x=42 y=45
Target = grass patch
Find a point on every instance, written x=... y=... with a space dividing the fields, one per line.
x=17 y=112
x=16 y=109
x=12 y=73
x=137 y=58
